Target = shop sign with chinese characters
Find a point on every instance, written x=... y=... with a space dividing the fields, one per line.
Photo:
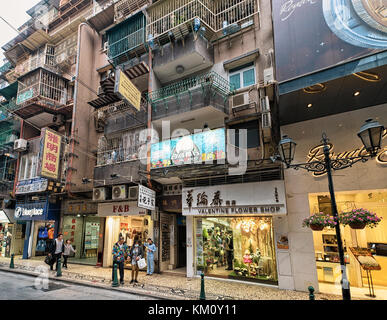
x=119 y=208
x=31 y=185
x=50 y=154
x=256 y=198
x=146 y=198
x=80 y=207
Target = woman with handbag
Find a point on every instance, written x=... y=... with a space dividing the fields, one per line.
x=136 y=253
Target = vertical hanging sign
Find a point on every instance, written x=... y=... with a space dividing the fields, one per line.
x=50 y=154
x=127 y=90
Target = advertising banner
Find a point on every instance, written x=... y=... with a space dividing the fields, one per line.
x=193 y=149
x=50 y=154
x=312 y=35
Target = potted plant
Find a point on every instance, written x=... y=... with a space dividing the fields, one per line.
x=359 y=218
x=319 y=221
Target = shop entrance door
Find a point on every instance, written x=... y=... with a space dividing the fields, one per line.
x=182 y=246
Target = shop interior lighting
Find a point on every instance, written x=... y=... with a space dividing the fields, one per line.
x=309 y=105
x=367 y=76
x=356 y=93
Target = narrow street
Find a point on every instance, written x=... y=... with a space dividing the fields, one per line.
x=22 y=287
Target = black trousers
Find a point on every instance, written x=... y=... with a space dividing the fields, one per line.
x=56 y=259
x=229 y=255
x=65 y=260
x=120 y=267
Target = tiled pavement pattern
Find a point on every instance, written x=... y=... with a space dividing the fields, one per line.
x=167 y=285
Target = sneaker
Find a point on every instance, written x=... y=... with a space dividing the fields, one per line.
x=135 y=281
x=121 y=282
x=148 y=274
x=131 y=281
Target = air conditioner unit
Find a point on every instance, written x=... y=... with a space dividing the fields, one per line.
x=268 y=75
x=119 y=192
x=133 y=193
x=240 y=100
x=20 y=145
x=265 y=104
x=99 y=193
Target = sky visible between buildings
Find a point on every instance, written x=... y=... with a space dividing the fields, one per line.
x=13 y=11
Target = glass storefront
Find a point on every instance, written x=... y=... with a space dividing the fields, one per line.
x=44 y=231
x=132 y=229
x=236 y=248
x=5 y=239
x=85 y=234
x=372 y=241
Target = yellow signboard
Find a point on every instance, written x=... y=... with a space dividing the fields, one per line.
x=51 y=154
x=127 y=90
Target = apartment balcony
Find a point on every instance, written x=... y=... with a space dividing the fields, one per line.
x=200 y=98
x=42 y=58
x=125 y=8
x=103 y=14
x=119 y=116
x=7 y=138
x=126 y=40
x=4 y=69
x=180 y=59
x=175 y=18
x=6 y=110
x=67 y=10
x=45 y=94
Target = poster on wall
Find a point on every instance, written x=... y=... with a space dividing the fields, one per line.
x=311 y=35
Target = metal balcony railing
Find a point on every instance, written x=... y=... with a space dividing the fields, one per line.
x=43 y=84
x=211 y=79
x=175 y=15
x=5 y=68
x=124 y=8
x=126 y=44
x=7 y=137
x=5 y=109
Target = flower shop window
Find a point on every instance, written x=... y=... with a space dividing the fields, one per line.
x=236 y=248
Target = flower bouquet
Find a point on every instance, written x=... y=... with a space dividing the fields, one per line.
x=359 y=218
x=319 y=221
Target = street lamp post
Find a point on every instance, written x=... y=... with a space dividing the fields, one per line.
x=371 y=136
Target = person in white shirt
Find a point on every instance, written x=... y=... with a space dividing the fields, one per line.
x=68 y=248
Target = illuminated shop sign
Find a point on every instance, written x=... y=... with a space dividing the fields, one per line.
x=317 y=154
x=193 y=149
x=257 y=198
x=121 y=208
x=31 y=185
x=50 y=154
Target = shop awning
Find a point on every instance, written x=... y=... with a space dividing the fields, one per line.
x=372 y=61
x=4 y=217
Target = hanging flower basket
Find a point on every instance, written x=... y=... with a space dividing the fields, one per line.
x=316 y=227
x=319 y=221
x=359 y=219
x=357 y=225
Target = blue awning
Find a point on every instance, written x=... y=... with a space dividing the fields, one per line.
x=373 y=61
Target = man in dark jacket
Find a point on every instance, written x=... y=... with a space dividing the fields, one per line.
x=56 y=250
x=120 y=254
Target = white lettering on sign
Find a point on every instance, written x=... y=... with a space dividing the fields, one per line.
x=289 y=7
x=24 y=212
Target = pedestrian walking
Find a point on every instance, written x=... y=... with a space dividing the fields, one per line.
x=120 y=254
x=150 y=251
x=68 y=248
x=136 y=254
x=56 y=250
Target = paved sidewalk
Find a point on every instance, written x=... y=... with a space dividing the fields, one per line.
x=165 y=285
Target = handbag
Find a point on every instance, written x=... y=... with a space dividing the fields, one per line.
x=48 y=260
x=141 y=263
